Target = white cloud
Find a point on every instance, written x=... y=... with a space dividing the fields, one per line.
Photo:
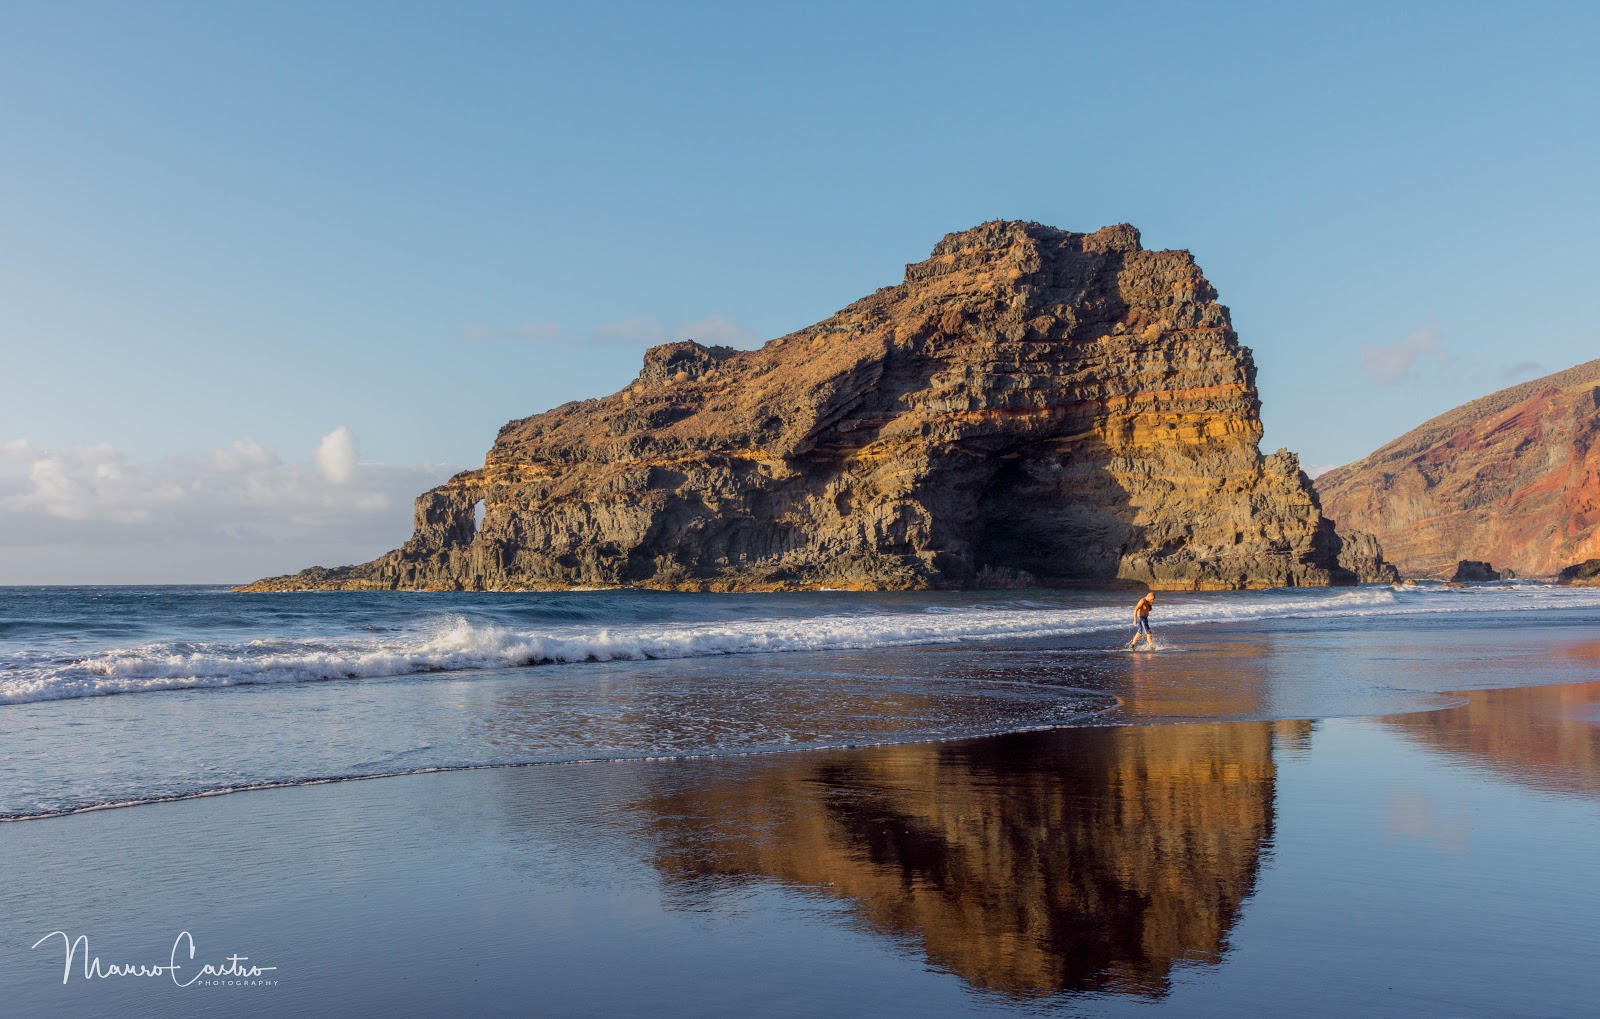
x=243 y=455
x=1315 y=471
x=336 y=455
x=1391 y=365
x=228 y=514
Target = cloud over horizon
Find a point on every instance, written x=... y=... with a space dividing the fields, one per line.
x=217 y=516
x=1393 y=364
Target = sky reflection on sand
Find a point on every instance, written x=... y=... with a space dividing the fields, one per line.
x=1428 y=862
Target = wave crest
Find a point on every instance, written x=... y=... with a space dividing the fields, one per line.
x=457 y=643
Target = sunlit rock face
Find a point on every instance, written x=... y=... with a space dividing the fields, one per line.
x=1029 y=406
x=1512 y=478
x=1091 y=860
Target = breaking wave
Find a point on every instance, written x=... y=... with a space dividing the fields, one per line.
x=456 y=643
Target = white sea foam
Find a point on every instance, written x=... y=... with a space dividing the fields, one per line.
x=458 y=644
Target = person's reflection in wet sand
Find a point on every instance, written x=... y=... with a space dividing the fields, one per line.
x=1034 y=864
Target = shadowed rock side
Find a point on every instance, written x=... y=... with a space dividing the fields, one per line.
x=1584 y=574
x=1030 y=406
x=1472 y=571
x=1512 y=478
x=1081 y=860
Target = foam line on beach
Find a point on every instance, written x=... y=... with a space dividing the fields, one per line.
x=1093 y=706
x=455 y=643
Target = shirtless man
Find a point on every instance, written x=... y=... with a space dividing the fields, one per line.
x=1141 y=618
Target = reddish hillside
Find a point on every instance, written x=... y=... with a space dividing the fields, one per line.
x=1509 y=478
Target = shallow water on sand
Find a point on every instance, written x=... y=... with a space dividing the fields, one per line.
x=1298 y=805
x=215 y=691
x=1428 y=863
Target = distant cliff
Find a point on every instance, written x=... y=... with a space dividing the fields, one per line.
x=1030 y=406
x=1510 y=478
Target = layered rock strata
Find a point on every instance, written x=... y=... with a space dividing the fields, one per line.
x=1513 y=477
x=1029 y=406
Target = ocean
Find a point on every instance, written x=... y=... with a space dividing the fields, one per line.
x=112 y=696
x=1368 y=801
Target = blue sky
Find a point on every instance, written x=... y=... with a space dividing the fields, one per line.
x=229 y=231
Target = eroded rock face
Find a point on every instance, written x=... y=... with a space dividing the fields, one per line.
x=1030 y=406
x=1360 y=554
x=1513 y=477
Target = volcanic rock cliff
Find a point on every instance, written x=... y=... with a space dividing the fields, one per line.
x=1510 y=478
x=1030 y=406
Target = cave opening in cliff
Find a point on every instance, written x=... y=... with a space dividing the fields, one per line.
x=479 y=511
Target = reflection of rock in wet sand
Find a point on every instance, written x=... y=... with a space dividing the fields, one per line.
x=1547 y=737
x=1090 y=859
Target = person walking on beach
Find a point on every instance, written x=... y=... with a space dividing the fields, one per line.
x=1141 y=619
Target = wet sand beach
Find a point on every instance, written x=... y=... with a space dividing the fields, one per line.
x=1428 y=863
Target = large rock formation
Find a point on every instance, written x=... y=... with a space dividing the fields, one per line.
x=1030 y=406
x=1510 y=478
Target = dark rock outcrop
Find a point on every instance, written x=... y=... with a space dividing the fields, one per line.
x=1030 y=406
x=1584 y=574
x=1472 y=571
x=1513 y=476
